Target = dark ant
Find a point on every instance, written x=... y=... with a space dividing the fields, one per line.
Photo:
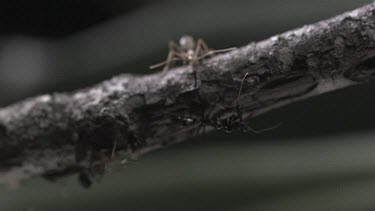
x=234 y=121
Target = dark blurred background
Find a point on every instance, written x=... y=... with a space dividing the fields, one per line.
x=321 y=158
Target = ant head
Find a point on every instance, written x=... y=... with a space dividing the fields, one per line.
x=187 y=42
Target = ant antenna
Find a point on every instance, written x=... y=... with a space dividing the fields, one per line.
x=239 y=92
x=211 y=52
x=238 y=111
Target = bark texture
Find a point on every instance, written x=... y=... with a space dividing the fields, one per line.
x=64 y=133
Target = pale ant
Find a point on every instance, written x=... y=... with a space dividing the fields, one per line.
x=188 y=51
x=234 y=121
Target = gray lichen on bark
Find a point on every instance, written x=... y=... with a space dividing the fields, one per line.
x=64 y=133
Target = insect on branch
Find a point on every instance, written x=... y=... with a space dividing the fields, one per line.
x=188 y=51
x=65 y=133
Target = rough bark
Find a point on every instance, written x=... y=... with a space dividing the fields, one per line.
x=63 y=133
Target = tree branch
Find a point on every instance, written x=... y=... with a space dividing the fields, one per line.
x=59 y=134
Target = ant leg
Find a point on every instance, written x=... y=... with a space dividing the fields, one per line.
x=238 y=110
x=209 y=52
x=169 y=61
x=172 y=56
x=200 y=49
x=174 y=50
x=250 y=128
x=114 y=149
x=162 y=63
x=173 y=46
x=203 y=46
x=262 y=130
x=240 y=113
x=212 y=52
